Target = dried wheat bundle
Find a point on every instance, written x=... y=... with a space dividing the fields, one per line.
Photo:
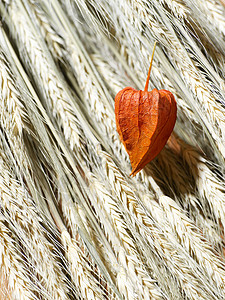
x=73 y=224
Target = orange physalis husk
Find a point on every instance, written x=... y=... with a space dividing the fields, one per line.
x=145 y=121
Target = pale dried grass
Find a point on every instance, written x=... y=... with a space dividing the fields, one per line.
x=121 y=237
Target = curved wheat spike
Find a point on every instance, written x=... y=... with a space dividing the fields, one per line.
x=12 y=113
x=111 y=76
x=85 y=274
x=81 y=270
x=54 y=41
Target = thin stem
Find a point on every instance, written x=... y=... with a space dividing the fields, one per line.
x=150 y=67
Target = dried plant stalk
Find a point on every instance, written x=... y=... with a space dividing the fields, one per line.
x=73 y=225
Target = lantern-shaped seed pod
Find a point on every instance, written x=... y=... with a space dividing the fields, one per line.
x=145 y=121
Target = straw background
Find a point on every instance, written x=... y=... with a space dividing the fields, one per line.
x=73 y=223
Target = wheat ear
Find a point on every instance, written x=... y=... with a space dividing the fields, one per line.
x=58 y=99
x=83 y=274
x=191 y=238
x=210 y=186
x=149 y=230
x=123 y=244
x=12 y=112
x=17 y=282
x=46 y=139
x=177 y=7
x=24 y=221
x=212 y=11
